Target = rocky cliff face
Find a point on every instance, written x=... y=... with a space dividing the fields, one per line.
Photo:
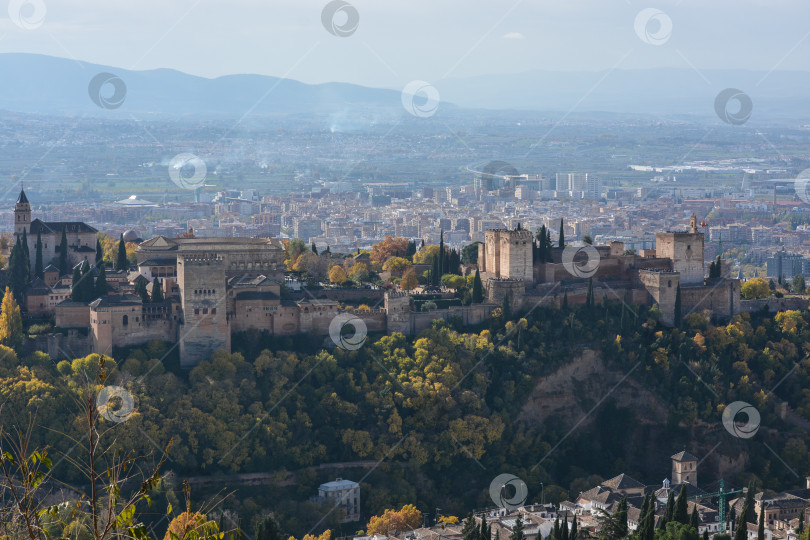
x=571 y=395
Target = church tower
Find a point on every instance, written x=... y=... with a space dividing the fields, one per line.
x=684 y=468
x=22 y=215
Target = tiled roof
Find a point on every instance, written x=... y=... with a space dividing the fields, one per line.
x=55 y=227
x=622 y=482
x=684 y=456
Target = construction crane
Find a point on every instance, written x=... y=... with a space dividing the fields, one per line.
x=721 y=495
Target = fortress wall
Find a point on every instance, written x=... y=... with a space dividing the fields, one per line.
x=721 y=297
x=341 y=295
x=775 y=305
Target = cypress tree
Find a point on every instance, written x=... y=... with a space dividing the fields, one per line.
x=565 y=301
x=469 y=530
x=706 y=534
x=649 y=524
x=486 y=532
x=681 y=512
x=741 y=532
x=39 y=270
x=506 y=308
x=314 y=248
x=761 y=527
x=555 y=531
x=99 y=253
x=669 y=510
x=517 y=532
x=562 y=234
x=478 y=289
x=441 y=253
x=88 y=285
x=642 y=515
x=564 y=526
x=157 y=291
x=800 y=528
x=750 y=514
x=678 y=315
x=140 y=290
x=121 y=262
x=574 y=532
x=435 y=271
x=101 y=282
x=63 y=254
x=621 y=518
x=26 y=254
x=695 y=519
x=589 y=297
x=75 y=287
x=16 y=272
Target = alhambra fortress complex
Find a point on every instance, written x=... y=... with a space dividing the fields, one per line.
x=215 y=287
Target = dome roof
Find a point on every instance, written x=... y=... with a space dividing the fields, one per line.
x=130 y=236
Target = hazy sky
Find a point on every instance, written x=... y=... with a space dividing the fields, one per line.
x=398 y=41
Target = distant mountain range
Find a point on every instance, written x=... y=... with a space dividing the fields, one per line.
x=48 y=85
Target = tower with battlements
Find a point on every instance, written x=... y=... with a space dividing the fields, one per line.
x=507 y=254
x=205 y=328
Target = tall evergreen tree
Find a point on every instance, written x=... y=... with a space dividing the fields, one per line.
x=442 y=270
x=681 y=512
x=564 y=527
x=121 y=262
x=669 y=510
x=486 y=531
x=649 y=524
x=478 y=289
x=435 y=271
x=621 y=518
x=678 y=309
x=589 y=296
x=17 y=278
x=99 y=253
x=748 y=508
x=506 y=308
x=565 y=301
x=267 y=529
x=761 y=527
x=642 y=515
x=101 y=282
x=63 y=254
x=39 y=269
x=314 y=248
x=741 y=532
x=140 y=290
x=695 y=518
x=517 y=532
x=26 y=254
x=574 y=529
x=706 y=534
x=556 y=533
x=75 y=286
x=157 y=291
x=562 y=234
x=469 y=531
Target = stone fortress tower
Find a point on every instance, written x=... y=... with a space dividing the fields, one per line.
x=204 y=330
x=685 y=249
x=507 y=254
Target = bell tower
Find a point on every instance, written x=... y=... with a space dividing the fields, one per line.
x=22 y=215
x=684 y=468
